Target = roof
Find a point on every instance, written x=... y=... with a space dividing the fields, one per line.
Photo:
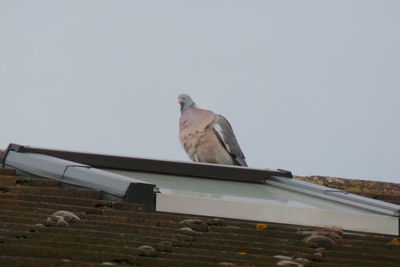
x=115 y=233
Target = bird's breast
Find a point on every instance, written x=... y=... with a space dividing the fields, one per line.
x=204 y=146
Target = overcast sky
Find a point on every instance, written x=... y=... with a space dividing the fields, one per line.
x=308 y=86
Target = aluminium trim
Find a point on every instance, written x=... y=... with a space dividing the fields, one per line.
x=336 y=195
x=83 y=175
x=340 y=194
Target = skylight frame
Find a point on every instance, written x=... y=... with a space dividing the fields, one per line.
x=60 y=166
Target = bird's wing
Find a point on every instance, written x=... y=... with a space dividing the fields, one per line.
x=224 y=132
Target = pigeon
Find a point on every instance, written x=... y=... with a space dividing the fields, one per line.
x=207 y=136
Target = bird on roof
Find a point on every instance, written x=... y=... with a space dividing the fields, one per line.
x=207 y=136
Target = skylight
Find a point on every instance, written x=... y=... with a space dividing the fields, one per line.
x=210 y=190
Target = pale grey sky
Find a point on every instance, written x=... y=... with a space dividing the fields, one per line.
x=308 y=86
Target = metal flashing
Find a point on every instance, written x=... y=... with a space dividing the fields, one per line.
x=336 y=195
x=11 y=147
x=73 y=173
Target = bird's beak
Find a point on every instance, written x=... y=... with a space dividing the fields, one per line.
x=179 y=101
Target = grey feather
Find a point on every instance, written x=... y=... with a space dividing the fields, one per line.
x=224 y=132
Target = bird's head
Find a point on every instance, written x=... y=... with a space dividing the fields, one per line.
x=185 y=101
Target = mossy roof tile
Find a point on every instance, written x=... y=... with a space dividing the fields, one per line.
x=111 y=233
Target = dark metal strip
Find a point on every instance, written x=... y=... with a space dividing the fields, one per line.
x=203 y=170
